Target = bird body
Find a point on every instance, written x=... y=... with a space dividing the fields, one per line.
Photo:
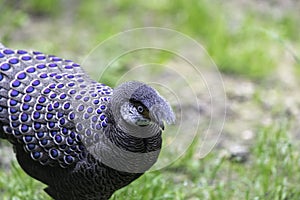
x=80 y=137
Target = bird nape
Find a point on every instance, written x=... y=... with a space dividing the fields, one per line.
x=80 y=137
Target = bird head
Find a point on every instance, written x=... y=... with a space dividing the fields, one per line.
x=137 y=105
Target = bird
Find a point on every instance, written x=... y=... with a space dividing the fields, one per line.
x=83 y=139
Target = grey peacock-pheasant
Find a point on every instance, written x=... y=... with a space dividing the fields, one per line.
x=80 y=137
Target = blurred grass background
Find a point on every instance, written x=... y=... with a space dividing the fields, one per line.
x=233 y=31
x=249 y=41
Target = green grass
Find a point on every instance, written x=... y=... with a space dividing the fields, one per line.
x=270 y=173
x=16 y=185
x=244 y=48
x=239 y=44
x=251 y=46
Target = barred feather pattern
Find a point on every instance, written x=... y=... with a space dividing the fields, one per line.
x=50 y=110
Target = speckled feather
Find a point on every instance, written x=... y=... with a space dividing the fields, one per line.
x=45 y=107
x=50 y=110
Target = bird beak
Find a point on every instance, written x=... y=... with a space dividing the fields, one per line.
x=162 y=113
x=161 y=125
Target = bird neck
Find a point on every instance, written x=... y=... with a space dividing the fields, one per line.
x=124 y=152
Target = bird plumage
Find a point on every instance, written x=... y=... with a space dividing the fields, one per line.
x=80 y=137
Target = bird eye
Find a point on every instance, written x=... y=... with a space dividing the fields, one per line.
x=140 y=109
